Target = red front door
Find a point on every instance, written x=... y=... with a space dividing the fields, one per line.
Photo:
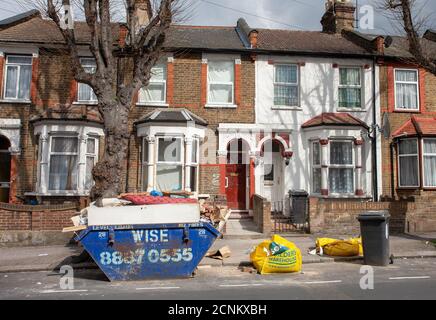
x=236 y=186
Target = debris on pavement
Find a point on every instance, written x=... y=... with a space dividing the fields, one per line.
x=220 y=254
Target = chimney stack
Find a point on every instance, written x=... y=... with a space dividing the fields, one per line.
x=339 y=16
x=143 y=13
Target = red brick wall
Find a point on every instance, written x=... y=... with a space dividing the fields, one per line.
x=35 y=220
x=397 y=119
x=340 y=216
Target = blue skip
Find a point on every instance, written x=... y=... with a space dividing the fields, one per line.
x=139 y=252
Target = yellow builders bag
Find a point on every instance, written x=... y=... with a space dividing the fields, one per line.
x=277 y=255
x=341 y=248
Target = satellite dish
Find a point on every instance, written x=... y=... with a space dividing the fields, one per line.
x=386 y=126
x=388 y=41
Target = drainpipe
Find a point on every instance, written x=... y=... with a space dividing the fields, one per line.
x=374 y=139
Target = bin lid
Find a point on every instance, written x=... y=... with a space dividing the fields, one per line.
x=374 y=215
x=298 y=193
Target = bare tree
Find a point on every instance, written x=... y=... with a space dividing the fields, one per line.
x=144 y=45
x=403 y=11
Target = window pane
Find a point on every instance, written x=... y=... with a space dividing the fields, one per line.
x=408 y=146
x=316 y=154
x=169 y=150
x=409 y=171
x=62 y=144
x=25 y=79
x=341 y=180
x=222 y=71
x=89 y=181
x=158 y=73
x=285 y=95
x=430 y=146
x=407 y=96
x=63 y=172
x=11 y=82
x=19 y=59
x=406 y=75
x=220 y=93
x=194 y=154
x=430 y=171
x=341 y=153
x=144 y=178
x=286 y=74
x=86 y=93
x=316 y=186
x=193 y=179
x=169 y=178
x=350 y=98
x=155 y=92
x=90 y=146
x=349 y=76
x=268 y=171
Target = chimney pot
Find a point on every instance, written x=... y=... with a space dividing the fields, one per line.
x=339 y=16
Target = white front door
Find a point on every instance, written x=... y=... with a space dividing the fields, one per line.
x=273 y=179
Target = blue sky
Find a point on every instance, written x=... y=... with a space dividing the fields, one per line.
x=282 y=14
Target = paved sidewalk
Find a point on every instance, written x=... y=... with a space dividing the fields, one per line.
x=50 y=257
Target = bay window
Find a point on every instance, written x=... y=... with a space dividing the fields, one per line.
x=350 y=88
x=18 y=75
x=429 y=156
x=341 y=169
x=286 y=91
x=406 y=89
x=155 y=92
x=408 y=163
x=316 y=167
x=85 y=92
x=221 y=82
x=169 y=167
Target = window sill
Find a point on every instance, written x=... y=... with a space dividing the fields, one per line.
x=351 y=110
x=57 y=194
x=287 y=108
x=91 y=103
x=350 y=196
x=15 y=101
x=221 y=106
x=152 y=104
x=407 y=110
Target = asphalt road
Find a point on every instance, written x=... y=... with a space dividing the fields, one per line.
x=406 y=279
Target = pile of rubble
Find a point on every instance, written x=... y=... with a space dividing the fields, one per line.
x=213 y=213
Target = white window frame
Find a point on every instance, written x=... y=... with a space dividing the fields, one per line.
x=145 y=144
x=180 y=163
x=424 y=154
x=164 y=82
x=93 y=99
x=89 y=155
x=315 y=166
x=348 y=86
x=195 y=164
x=342 y=166
x=19 y=75
x=50 y=153
x=397 y=108
x=408 y=155
x=287 y=84
x=216 y=104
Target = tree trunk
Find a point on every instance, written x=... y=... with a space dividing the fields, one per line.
x=108 y=171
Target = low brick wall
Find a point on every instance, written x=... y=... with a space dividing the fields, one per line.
x=421 y=214
x=262 y=214
x=331 y=216
x=35 y=218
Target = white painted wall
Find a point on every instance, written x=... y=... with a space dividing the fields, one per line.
x=319 y=82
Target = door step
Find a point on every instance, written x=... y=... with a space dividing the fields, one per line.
x=239 y=215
